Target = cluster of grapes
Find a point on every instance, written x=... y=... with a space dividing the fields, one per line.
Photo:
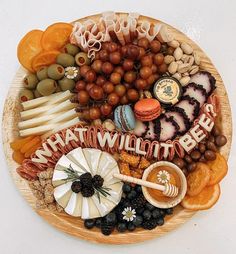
x=117 y=75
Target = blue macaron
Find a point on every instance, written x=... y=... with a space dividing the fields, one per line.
x=124 y=118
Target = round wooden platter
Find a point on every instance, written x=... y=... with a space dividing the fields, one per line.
x=74 y=226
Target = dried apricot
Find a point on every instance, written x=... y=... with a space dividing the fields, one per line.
x=18 y=157
x=218 y=169
x=30 y=144
x=204 y=200
x=198 y=179
x=56 y=36
x=29 y=47
x=44 y=59
x=32 y=150
x=18 y=143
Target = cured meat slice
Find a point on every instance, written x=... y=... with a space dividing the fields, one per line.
x=190 y=106
x=205 y=79
x=180 y=117
x=197 y=92
x=140 y=128
x=166 y=128
x=150 y=133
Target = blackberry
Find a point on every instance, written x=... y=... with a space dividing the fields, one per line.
x=147 y=215
x=149 y=224
x=86 y=180
x=160 y=221
x=98 y=222
x=89 y=223
x=76 y=186
x=138 y=201
x=87 y=192
x=106 y=228
x=97 y=181
x=131 y=226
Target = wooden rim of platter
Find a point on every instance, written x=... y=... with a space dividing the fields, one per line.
x=74 y=226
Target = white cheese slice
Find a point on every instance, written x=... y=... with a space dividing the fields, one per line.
x=36 y=130
x=106 y=163
x=74 y=206
x=36 y=121
x=64 y=163
x=91 y=211
x=105 y=206
x=63 y=106
x=58 y=177
x=62 y=194
x=109 y=178
x=77 y=156
x=60 y=97
x=93 y=157
x=115 y=192
x=64 y=116
x=31 y=113
x=67 y=124
x=39 y=101
x=79 y=204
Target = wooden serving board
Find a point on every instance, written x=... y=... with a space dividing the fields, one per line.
x=74 y=226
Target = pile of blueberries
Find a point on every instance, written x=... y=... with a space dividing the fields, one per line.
x=147 y=216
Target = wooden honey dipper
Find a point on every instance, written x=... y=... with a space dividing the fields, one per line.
x=168 y=189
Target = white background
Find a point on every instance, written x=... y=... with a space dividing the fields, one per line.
x=212 y=24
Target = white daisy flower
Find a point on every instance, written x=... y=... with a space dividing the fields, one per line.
x=71 y=72
x=129 y=214
x=163 y=177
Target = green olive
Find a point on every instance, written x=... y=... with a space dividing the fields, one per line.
x=82 y=59
x=26 y=95
x=65 y=60
x=47 y=86
x=42 y=73
x=56 y=71
x=71 y=49
x=58 y=89
x=30 y=81
x=66 y=84
x=37 y=94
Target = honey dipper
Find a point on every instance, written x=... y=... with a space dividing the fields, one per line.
x=167 y=189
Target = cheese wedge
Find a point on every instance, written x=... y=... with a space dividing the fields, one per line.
x=104 y=205
x=74 y=206
x=89 y=209
x=62 y=194
x=106 y=164
x=93 y=157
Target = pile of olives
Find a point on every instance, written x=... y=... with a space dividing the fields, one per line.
x=53 y=78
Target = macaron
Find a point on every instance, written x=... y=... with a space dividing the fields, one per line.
x=124 y=118
x=147 y=109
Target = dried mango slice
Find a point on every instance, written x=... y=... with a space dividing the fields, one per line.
x=56 y=36
x=29 y=47
x=44 y=58
x=30 y=144
x=18 y=143
x=218 y=169
x=204 y=200
x=198 y=179
x=18 y=157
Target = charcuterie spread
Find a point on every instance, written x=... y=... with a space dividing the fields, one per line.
x=118 y=123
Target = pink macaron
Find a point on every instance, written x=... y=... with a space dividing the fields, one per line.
x=147 y=109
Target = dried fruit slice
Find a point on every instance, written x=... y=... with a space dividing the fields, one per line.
x=218 y=169
x=18 y=143
x=18 y=157
x=56 y=36
x=204 y=200
x=29 y=47
x=44 y=58
x=198 y=179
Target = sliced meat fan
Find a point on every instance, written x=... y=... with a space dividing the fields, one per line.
x=190 y=106
x=205 y=79
x=180 y=117
x=166 y=128
x=197 y=92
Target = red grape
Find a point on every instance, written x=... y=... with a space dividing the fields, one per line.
x=94 y=113
x=130 y=76
x=107 y=67
x=124 y=50
x=84 y=69
x=155 y=46
x=145 y=72
x=89 y=86
x=143 y=42
x=133 y=52
x=119 y=70
x=100 y=80
x=90 y=76
x=120 y=90
x=124 y=99
x=97 y=66
x=146 y=61
x=115 y=78
x=115 y=57
x=112 y=47
x=128 y=64
x=96 y=92
x=80 y=85
x=132 y=95
x=113 y=99
x=103 y=55
x=83 y=97
x=106 y=109
x=86 y=114
x=162 y=68
x=141 y=84
x=141 y=53
x=108 y=87
x=158 y=58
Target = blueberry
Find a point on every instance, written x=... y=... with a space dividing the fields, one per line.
x=132 y=194
x=111 y=218
x=160 y=221
x=121 y=227
x=156 y=213
x=140 y=210
x=162 y=211
x=131 y=226
x=127 y=188
x=169 y=211
x=89 y=223
x=149 y=206
x=138 y=188
x=147 y=215
x=98 y=222
x=126 y=203
x=138 y=220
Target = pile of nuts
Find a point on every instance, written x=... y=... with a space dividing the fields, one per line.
x=206 y=151
x=183 y=62
x=42 y=189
